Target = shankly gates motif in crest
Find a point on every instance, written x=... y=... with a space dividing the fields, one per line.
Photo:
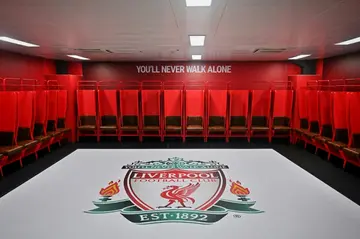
x=175 y=190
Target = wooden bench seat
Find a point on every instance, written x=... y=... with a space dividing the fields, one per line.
x=353 y=151
x=173 y=127
x=238 y=128
x=217 y=128
x=337 y=144
x=260 y=128
x=42 y=138
x=322 y=139
x=282 y=128
x=151 y=127
x=10 y=150
x=28 y=143
x=194 y=127
x=108 y=127
x=87 y=127
x=64 y=130
x=129 y=128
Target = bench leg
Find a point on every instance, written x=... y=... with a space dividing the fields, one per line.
x=98 y=137
x=344 y=164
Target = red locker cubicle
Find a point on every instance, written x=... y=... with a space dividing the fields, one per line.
x=26 y=120
x=282 y=113
x=53 y=117
x=239 y=114
x=302 y=120
x=312 y=101
x=151 y=112
x=195 y=113
x=108 y=112
x=351 y=153
x=325 y=120
x=217 y=113
x=260 y=114
x=9 y=127
x=41 y=119
x=129 y=113
x=62 y=113
x=87 y=114
x=173 y=111
x=340 y=124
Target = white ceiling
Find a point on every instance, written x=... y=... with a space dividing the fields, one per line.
x=147 y=30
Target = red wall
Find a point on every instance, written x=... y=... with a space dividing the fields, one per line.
x=17 y=65
x=75 y=68
x=342 y=67
x=246 y=72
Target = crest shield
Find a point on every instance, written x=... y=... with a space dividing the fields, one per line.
x=174 y=190
x=197 y=189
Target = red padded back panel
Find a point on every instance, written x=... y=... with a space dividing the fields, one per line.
x=150 y=102
x=283 y=101
x=129 y=102
x=260 y=103
x=217 y=102
x=53 y=104
x=8 y=111
x=239 y=102
x=86 y=102
x=340 y=110
x=354 y=112
x=302 y=104
x=194 y=103
x=107 y=102
x=26 y=109
x=42 y=106
x=62 y=103
x=172 y=102
x=313 y=105
x=325 y=107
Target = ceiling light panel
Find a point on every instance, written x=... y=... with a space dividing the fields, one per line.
x=17 y=42
x=349 y=42
x=78 y=57
x=196 y=57
x=197 y=40
x=198 y=3
x=299 y=57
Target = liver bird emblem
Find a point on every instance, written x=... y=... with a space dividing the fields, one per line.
x=179 y=194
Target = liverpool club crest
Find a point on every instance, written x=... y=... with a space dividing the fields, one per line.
x=175 y=190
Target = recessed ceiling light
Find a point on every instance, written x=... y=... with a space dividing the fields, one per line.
x=14 y=41
x=299 y=57
x=198 y=3
x=349 y=42
x=78 y=57
x=196 y=57
x=197 y=40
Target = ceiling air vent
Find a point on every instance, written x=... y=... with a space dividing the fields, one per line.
x=270 y=50
x=93 y=50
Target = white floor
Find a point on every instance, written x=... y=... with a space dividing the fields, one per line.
x=290 y=203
